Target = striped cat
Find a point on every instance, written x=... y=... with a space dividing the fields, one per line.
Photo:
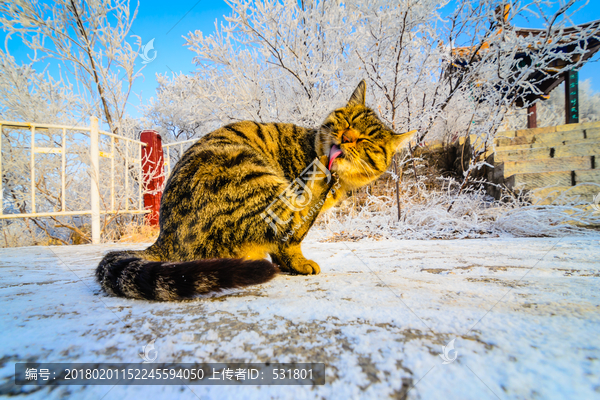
x=246 y=191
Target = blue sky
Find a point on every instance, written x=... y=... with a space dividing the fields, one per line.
x=166 y=23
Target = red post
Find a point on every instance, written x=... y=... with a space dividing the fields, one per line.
x=153 y=172
x=532 y=116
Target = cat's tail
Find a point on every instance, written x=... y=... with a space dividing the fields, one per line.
x=128 y=274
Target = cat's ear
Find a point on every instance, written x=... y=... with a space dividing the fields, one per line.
x=358 y=97
x=399 y=140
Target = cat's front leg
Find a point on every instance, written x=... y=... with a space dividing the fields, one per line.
x=317 y=189
x=290 y=259
x=299 y=216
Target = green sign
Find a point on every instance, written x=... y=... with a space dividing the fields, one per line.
x=572 y=97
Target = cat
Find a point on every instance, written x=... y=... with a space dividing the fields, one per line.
x=248 y=190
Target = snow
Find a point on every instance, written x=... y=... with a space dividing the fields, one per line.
x=524 y=313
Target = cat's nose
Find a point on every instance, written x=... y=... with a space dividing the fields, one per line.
x=349 y=136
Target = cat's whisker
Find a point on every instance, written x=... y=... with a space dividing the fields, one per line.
x=362 y=165
x=356 y=165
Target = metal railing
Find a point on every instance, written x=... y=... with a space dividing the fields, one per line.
x=167 y=149
x=95 y=210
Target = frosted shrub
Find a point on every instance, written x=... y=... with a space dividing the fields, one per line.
x=474 y=214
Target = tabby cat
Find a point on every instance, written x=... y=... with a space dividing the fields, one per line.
x=248 y=190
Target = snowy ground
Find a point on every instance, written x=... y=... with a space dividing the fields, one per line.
x=525 y=314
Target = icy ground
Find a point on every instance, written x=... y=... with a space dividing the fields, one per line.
x=525 y=314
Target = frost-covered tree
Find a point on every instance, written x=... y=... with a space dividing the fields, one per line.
x=88 y=43
x=88 y=40
x=28 y=95
x=293 y=61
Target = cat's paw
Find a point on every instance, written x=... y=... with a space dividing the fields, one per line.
x=306 y=267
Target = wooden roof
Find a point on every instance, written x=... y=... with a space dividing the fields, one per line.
x=548 y=78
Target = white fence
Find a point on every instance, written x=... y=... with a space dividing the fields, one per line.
x=167 y=149
x=95 y=135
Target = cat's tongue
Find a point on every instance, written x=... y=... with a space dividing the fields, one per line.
x=334 y=152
